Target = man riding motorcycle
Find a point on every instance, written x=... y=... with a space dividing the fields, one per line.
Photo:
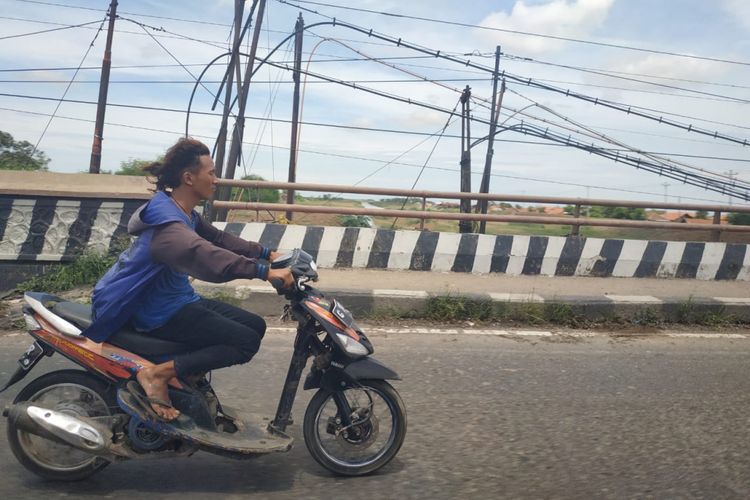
x=148 y=287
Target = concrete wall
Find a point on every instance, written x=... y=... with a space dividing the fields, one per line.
x=42 y=229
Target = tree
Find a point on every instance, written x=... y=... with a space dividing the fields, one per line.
x=264 y=195
x=355 y=221
x=134 y=166
x=20 y=155
x=701 y=214
x=618 y=213
x=739 y=219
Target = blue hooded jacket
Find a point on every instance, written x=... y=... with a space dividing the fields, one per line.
x=119 y=294
x=149 y=282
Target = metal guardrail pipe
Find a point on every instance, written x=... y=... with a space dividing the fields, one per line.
x=555 y=200
x=562 y=221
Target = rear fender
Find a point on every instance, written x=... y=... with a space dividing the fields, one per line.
x=334 y=378
x=28 y=361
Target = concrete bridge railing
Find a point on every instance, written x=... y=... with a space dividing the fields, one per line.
x=45 y=230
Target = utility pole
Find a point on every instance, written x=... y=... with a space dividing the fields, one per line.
x=239 y=124
x=221 y=140
x=96 y=147
x=465 y=226
x=731 y=175
x=666 y=186
x=485 y=186
x=295 y=111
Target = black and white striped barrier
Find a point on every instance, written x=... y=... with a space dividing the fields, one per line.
x=514 y=255
x=50 y=230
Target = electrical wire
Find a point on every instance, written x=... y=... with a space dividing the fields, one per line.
x=429 y=157
x=65 y=92
x=608 y=139
x=527 y=130
x=607 y=72
x=360 y=158
x=671 y=172
x=638 y=80
x=503 y=30
x=47 y=31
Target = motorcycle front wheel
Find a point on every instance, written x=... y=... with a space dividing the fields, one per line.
x=75 y=393
x=375 y=434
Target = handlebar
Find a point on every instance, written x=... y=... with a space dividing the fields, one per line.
x=303 y=269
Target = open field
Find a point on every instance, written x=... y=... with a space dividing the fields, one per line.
x=452 y=226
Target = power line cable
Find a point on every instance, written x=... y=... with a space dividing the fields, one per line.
x=81 y=7
x=667 y=171
x=647 y=82
x=515 y=58
x=616 y=142
x=65 y=92
x=144 y=28
x=361 y=158
x=628 y=109
x=48 y=31
x=429 y=157
x=503 y=30
x=139 y=66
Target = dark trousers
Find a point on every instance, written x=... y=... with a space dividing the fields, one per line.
x=218 y=335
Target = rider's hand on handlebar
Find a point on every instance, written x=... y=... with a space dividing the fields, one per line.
x=282 y=277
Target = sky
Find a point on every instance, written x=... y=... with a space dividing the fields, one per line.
x=349 y=136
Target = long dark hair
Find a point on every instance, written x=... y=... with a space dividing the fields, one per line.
x=184 y=155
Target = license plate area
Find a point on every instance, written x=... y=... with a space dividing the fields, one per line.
x=29 y=358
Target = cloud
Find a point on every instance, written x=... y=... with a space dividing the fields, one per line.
x=673 y=67
x=738 y=10
x=564 y=18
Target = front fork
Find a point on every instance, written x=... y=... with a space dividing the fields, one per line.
x=293 y=376
x=303 y=350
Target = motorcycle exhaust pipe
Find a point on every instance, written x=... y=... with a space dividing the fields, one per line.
x=60 y=427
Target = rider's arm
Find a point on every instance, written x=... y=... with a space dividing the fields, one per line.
x=182 y=249
x=230 y=242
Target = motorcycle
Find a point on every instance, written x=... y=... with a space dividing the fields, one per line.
x=70 y=424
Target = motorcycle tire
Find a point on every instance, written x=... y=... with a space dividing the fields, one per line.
x=43 y=457
x=362 y=435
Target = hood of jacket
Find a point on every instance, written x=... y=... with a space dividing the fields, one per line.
x=159 y=210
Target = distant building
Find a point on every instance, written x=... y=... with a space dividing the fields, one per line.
x=681 y=217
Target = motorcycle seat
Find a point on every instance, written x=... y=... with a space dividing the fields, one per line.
x=80 y=314
x=126 y=338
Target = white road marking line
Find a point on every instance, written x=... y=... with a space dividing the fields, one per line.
x=523 y=333
x=637 y=299
x=733 y=300
x=707 y=335
x=516 y=297
x=400 y=293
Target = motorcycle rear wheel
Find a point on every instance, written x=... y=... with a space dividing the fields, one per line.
x=370 y=442
x=76 y=393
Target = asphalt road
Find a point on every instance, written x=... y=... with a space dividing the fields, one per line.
x=489 y=417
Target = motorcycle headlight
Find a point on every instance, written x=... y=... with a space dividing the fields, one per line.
x=352 y=346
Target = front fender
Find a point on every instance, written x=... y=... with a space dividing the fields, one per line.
x=336 y=378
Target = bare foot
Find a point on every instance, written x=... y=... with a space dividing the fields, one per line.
x=154 y=382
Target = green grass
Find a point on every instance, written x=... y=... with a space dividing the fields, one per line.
x=458 y=308
x=85 y=270
x=715 y=316
x=455 y=309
